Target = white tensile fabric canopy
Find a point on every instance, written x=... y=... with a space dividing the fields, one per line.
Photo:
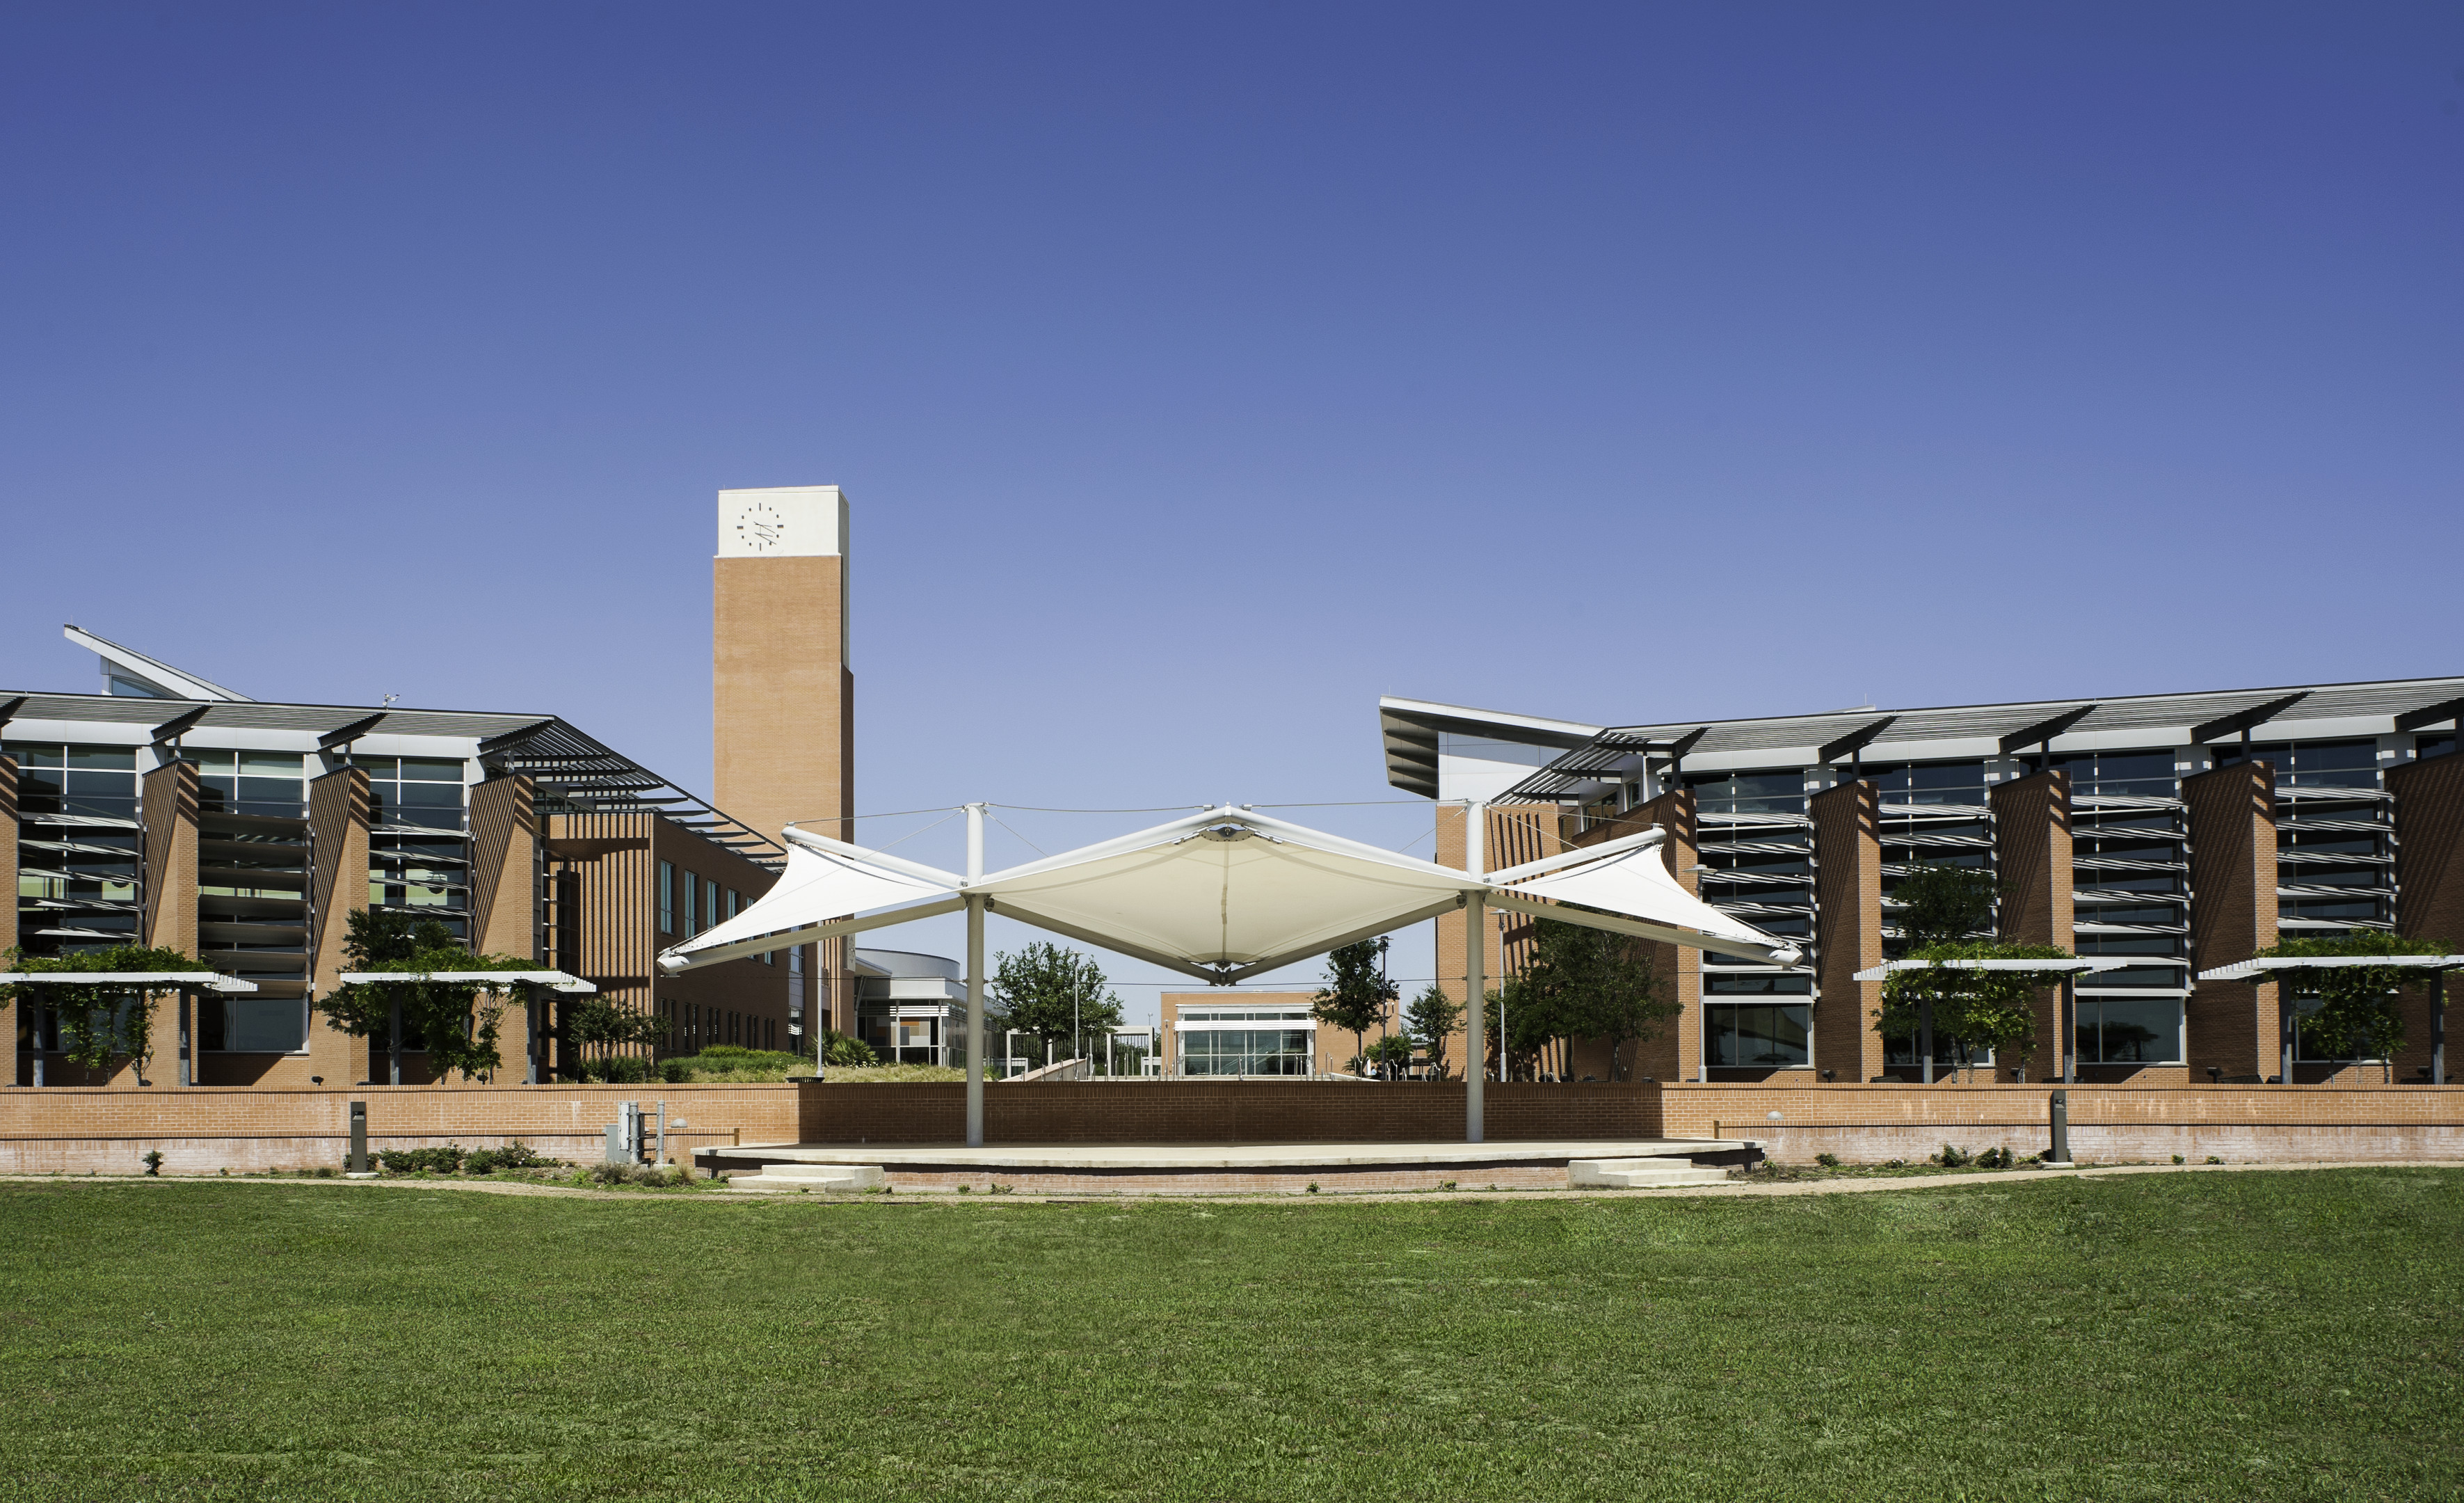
x=1222 y=895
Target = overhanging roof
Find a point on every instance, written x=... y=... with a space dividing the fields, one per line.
x=184 y=981
x=553 y=981
x=1411 y=728
x=2242 y=970
x=1222 y=895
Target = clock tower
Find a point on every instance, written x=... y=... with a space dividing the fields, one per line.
x=783 y=696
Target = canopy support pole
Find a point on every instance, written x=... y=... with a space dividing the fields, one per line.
x=1475 y=979
x=2068 y=1022
x=2438 y=1027
x=976 y=1034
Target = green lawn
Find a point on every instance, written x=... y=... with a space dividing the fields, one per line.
x=2194 y=1336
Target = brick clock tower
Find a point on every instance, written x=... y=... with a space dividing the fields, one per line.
x=783 y=696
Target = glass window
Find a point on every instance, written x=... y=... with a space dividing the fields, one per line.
x=693 y=903
x=99 y=759
x=1769 y=1037
x=709 y=904
x=2129 y=1030
x=1931 y=783
x=260 y=1025
x=667 y=898
x=1245 y=1051
x=430 y=770
x=35 y=754
x=1749 y=793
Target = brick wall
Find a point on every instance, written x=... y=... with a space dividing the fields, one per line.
x=1676 y=1052
x=2032 y=836
x=1865 y=1125
x=2233 y=1026
x=1848 y=928
x=1251 y=1112
x=206 y=1129
x=2429 y=884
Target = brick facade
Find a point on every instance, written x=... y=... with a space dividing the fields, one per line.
x=2032 y=837
x=2430 y=885
x=1676 y=1052
x=1848 y=928
x=2232 y=1026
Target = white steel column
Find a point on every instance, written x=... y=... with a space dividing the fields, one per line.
x=976 y=1034
x=1475 y=974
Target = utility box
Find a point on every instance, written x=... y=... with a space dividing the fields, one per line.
x=359 y=1137
x=625 y=1135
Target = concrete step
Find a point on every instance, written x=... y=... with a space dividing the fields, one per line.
x=1638 y=1174
x=794 y=1178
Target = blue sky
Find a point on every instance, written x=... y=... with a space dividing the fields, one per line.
x=1200 y=374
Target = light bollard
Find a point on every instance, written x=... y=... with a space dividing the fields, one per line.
x=2058 y=1112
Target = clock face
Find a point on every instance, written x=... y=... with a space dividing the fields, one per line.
x=758 y=528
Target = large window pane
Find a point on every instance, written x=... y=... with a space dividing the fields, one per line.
x=263 y=1025
x=1755 y=1038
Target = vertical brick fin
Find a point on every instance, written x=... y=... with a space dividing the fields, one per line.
x=504 y=839
x=2032 y=839
x=7 y=854
x=1848 y=927
x=2430 y=889
x=340 y=811
x=11 y=1071
x=2232 y=1024
x=168 y=796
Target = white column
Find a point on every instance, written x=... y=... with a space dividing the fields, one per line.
x=976 y=1040
x=1475 y=974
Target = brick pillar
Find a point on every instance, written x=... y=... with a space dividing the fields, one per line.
x=339 y=814
x=168 y=797
x=2430 y=889
x=1516 y=833
x=504 y=898
x=1676 y=969
x=14 y=1023
x=2032 y=851
x=2233 y=1026
x=1848 y=928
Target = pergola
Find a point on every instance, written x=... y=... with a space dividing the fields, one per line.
x=2065 y=1018
x=1224 y=894
x=2261 y=972
x=496 y=981
x=182 y=981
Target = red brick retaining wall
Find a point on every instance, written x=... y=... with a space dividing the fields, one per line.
x=206 y=1129
x=1866 y=1124
x=1195 y=1112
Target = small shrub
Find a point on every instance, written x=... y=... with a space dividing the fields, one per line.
x=2177 y=1159
x=1954 y=1157
x=2213 y=1158
x=675 y=1072
x=1894 y=1163
x=153 y=1160
x=840 y=1048
x=1312 y=1187
x=447 y=1159
x=1827 y=1160
x=640 y=1175
x=513 y=1156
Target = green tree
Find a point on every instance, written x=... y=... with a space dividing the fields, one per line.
x=1357 y=991
x=99 y=1022
x=1942 y=904
x=449 y=1019
x=1587 y=982
x=1432 y=1017
x=2359 y=1015
x=597 y=1029
x=1053 y=994
x=1979 y=1011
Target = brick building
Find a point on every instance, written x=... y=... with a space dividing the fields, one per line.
x=171 y=811
x=2177 y=832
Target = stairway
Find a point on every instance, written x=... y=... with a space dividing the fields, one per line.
x=1638 y=1174
x=794 y=1179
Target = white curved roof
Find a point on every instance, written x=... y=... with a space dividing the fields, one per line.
x=1222 y=895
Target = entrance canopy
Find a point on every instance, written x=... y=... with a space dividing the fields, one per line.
x=1222 y=895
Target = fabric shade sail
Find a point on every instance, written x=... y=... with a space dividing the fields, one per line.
x=1222 y=895
x=1629 y=881
x=1226 y=893
x=830 y=888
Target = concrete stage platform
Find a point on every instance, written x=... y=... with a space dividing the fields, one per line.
x=1217 y=1169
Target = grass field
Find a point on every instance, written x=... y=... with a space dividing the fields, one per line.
x=2192 y=1335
